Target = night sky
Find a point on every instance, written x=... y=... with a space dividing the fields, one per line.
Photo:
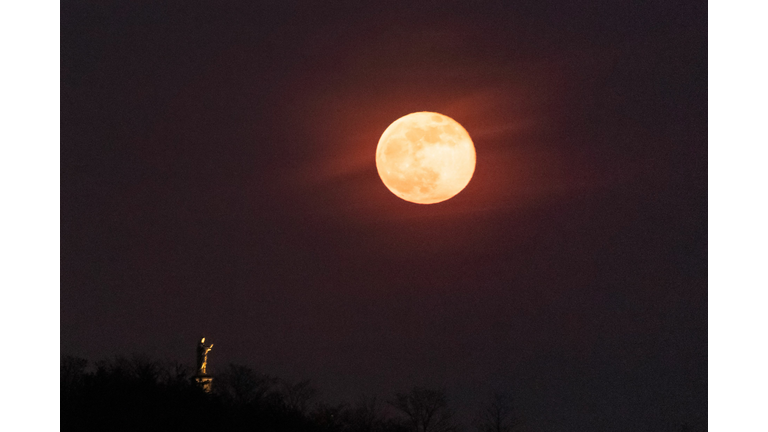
x=218 y=179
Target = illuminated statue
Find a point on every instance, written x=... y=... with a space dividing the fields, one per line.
x=202 y=356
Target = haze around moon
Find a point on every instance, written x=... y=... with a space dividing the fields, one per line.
x=425 y=157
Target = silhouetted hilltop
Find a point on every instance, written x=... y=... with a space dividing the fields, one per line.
x=140 y=394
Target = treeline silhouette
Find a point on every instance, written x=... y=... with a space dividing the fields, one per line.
x=141 y=394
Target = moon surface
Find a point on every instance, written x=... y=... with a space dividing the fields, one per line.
x=425 y=157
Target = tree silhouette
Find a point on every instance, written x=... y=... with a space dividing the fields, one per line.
x=71 y=373
x=243 y=385
x=299 y=396
x=137 y=393
x=366 y=416
x=426 y=410
x=498 y=415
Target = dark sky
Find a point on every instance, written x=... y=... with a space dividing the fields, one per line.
x=218 y=180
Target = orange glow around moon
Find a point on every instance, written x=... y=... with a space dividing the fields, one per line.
x=425 y=157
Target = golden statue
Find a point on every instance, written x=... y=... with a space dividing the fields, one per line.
x=202 y=356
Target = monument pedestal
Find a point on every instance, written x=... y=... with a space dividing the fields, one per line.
x=203 y=381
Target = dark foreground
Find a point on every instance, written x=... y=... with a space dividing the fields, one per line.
x=138 y=394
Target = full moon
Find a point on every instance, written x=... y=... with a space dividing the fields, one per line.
x=425 y=157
